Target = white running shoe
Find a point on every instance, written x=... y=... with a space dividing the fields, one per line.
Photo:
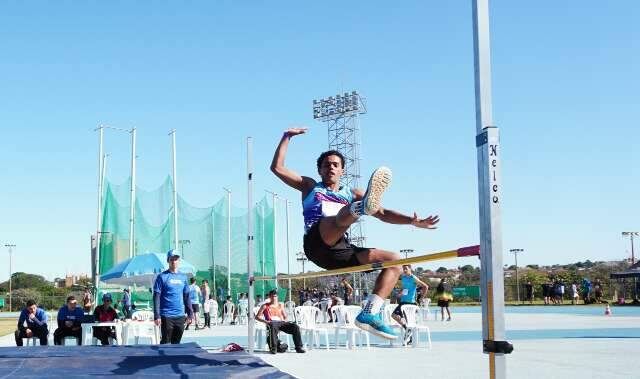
x=378 y=183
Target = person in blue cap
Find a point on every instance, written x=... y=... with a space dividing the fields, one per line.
x=32 y=323
x=170 y=300
x=105 y=313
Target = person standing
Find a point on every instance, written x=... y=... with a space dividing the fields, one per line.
x=347 y=290
x=528 y=289
x=32 y=323
x=194 y=296
x=69 y=322
x=170 y=299
x=410 y=285
x=105 y=313
x=575 y=294
x=126 y=303
x=443 y=293
x=87 y=300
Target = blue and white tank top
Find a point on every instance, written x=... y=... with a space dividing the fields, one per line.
x=408 y=289
x=322 y=202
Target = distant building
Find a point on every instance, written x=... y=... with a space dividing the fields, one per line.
x=69 y=280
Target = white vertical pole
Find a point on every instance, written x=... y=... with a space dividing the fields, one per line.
x=132 y=214
x=288 y=248
x=175 y=190
x=489 y=192
x=228 y=242
x=213 y=256
x=250 y=241
x=262 y=213
x=100 y=184
x=274 y=197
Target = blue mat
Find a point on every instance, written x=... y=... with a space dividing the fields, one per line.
x=151 y=361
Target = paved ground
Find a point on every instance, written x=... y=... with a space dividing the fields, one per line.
x=546 y=346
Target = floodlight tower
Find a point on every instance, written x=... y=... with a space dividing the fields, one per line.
x=340 y=114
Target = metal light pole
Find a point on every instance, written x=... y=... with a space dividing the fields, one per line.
x=132 y=214
x=288 y=247
x=515 y=253
x=228 y=240
x=302 y=258
x=633 y=260
x=406 y=252
x=172 y=133
x=10 y=247
x=275 y=236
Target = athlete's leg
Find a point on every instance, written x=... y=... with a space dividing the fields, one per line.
x=389 y=276
x=334 y=227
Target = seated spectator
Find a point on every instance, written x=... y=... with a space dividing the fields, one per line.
x=229 y=311
x=273 y=315
x=32 y=323
x=335 y=300
x=105 y=313
x=69 y=320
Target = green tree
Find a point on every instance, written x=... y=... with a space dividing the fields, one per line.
x=442 y=270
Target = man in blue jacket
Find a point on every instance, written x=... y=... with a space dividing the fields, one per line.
x=170 y=300
x=69 y=321
x=32 y=323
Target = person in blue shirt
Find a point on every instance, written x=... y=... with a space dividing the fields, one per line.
x=410 y=284
x=194 y=296
x=126 y=303
x=170 y=300
x=69 y=320
x=329 y=210
x=32 y=323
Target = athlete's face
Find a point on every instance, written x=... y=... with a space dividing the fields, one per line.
x=331 y=169
x=406 y=270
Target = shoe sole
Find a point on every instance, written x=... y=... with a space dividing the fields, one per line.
x=368 y=328
x=378 y=183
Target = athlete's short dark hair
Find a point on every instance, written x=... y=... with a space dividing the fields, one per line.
x=329 y=153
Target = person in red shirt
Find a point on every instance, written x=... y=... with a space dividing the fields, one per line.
x=273 y=315
x=105 y=313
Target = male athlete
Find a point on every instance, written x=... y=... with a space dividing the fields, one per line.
x=408 y=297
x=329 y=209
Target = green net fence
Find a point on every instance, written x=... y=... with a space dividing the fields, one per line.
x=203 y=237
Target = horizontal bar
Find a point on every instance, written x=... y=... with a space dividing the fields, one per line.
x=461 y=252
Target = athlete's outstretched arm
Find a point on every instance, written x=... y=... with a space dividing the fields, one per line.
x=393 y=217
x=291 y=178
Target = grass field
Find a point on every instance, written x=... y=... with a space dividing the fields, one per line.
x=7 y=325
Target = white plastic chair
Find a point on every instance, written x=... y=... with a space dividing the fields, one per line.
x=33 y=341
x=306 y=317
x=411 y=313
x=289 y=309
x=344 y=317
x=69 y=341
x=243 y=310
x=137 y=330
x=142 y=316
x=229 y=310
x=424 y=311
x=388 y=319
x=213 y=311
x=260 y=330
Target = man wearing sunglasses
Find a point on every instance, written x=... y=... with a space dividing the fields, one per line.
x=105 y=313
x=272 y=313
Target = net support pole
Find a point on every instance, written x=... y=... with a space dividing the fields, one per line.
x=100 y=186
x=228 y=241
x=274 y=197
x=288 y=247
x=250 y=227
x=176 y=241
x=132 y=213
x=489 y=192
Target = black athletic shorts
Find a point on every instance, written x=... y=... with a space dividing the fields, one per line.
x=195 y=308
x=340 y=255
x=398 y=310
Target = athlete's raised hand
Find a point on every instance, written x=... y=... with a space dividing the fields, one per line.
x=295 y=131
x=425 y=223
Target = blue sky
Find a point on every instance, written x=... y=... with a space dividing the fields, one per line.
x=565 y=90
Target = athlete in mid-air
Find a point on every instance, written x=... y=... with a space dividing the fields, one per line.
x=329 y=209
